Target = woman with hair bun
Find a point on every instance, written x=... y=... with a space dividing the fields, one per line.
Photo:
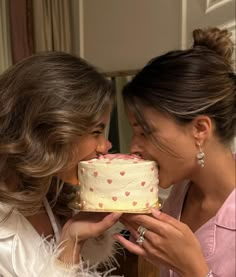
x=54 y=108
x=182 y=107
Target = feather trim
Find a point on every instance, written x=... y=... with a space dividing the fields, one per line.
x=102 y=250
x=45 y=262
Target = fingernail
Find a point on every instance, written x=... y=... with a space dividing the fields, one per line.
x=116 y=216
x=155 y=212
x=115 y=236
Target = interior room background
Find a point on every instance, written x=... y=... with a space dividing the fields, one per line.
x=117 y=36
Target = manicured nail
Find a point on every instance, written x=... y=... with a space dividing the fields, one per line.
x=116 y=216
x=115 y=236
x=155 y=212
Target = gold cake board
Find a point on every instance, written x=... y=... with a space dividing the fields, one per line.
x=76 y=206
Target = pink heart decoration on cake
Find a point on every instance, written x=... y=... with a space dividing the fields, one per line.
x=109 y=181
x=135 y=203
x=147 y=205
x=152 y=168
x=114 y=198
x=95 y=173
x=151 y=189
x=100 y=205
x=143 y=183
x=91 y=189
x=122 y=173
x=127 y=193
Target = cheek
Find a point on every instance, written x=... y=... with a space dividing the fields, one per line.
x=87 y=149
x=174 y=170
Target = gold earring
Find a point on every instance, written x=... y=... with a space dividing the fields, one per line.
x=200 y=156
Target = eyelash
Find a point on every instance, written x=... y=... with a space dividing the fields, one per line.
x=147 y=134
x=97 y=132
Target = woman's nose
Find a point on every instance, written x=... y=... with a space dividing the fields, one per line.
x=104 y=146
x=135 y=147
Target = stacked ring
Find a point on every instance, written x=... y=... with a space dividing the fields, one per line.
x=141 y=230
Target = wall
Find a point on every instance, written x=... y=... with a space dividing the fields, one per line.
x=205 y=13
x=121 y=34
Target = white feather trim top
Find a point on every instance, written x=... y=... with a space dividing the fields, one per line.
x=24 y=253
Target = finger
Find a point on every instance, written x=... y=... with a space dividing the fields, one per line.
x=107 y=222
x=128 y=223
x=162 y=224
x=167 y=219
x=131 y=228
x=146 y=249
x=152 y=237
x=156 y=214
x=130 y=246
x=132 y=239
x=148 y=245
x=111 y=219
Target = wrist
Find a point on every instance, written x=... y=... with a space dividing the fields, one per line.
x=69 y=252
x=203 y=272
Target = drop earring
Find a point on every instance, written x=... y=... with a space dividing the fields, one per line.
x=200 y=156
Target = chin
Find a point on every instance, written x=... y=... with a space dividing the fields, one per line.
x=164 y=183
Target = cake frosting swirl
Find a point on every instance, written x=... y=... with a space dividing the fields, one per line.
x=118 y=182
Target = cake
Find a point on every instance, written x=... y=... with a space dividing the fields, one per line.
x=118 y=182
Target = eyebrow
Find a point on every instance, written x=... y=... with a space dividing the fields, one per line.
x=100 y=126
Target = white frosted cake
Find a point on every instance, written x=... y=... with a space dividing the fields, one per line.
x=118 y=182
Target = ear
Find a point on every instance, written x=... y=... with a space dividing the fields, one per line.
x=202 y=128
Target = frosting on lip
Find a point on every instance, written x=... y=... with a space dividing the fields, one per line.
x=120 y=156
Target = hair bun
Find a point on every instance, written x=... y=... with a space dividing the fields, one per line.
x=216 y=40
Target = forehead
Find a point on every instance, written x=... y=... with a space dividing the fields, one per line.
x=155 y=120
x=106 y=114
x=104 y=119
x=148 y=115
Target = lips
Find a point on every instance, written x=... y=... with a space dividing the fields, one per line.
x=95 y=156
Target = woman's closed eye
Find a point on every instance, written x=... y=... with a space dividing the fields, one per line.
x=145 y=134
x=97 y=132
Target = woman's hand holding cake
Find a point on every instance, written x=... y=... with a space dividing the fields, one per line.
x=166 y=241
x=81 y=227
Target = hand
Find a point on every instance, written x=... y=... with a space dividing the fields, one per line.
x=167 y=241
x=81 y=227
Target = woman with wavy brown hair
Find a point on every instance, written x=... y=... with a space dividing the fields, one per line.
x=54 y=108
x=182 y=106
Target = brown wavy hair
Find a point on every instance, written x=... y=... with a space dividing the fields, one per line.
x=187 y=83
x=46 y=102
